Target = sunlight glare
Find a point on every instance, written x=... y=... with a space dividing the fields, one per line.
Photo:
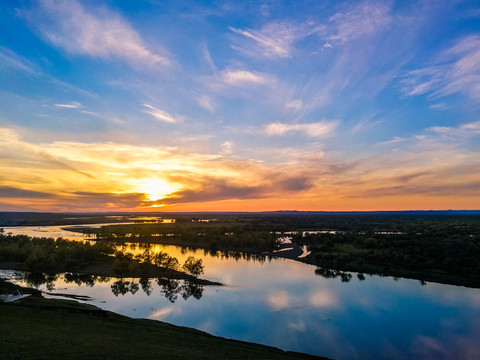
x=155 y=189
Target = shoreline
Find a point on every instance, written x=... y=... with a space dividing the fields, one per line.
x=297 y=250
x=293 y=254
x=35 y=327
x=105 y=270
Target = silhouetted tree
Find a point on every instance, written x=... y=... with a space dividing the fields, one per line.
x=193 y=266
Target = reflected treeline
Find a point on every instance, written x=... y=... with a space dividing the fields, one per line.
x=346 y=276
x=332 y=274
x=236 y=255
x=82 y=279
x=261 y=258
x=170 y=288
x=37 y=279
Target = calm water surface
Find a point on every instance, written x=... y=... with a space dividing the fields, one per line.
x=284 y=304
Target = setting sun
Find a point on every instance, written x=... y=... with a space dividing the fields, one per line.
x=155 y=189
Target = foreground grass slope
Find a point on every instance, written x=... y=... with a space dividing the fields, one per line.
x=38 y=328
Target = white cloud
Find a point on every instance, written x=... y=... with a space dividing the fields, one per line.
x=457 y=71
x=73 y=105
x=317 y=129
x=9 y=135
x=464 y=131
x=475 y=126
x=395 y=140
x=235 y=82
x=296 y=104
x=360 y=21
x=272 y=41
x=208 y=59
x=161 y=115
x=206 y=102
x=227 y=147
x=98 y=33
x=439 y=106
x=244 y=77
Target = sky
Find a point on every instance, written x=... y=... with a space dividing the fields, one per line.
x=116 y=105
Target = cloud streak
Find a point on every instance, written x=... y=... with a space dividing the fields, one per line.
x=15 y=193
x=360 y=21
x=73 y=105
x=94 y=32
x=244 y=77
x=456 y=71
x=274 y=40
x=318 y=129
x=161 y=115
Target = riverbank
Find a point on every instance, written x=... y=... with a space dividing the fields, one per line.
x=49 y=256
x=341 y=259
x=105 y=269
x=425 y=247
x=38 y=328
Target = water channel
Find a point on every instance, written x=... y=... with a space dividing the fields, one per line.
x=283 y=303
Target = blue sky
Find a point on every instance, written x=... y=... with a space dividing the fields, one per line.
x=268 y=105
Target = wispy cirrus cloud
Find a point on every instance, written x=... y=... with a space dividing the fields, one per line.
x=11 y=60
x=295 y=104
x=234 y=82
x=316 y=129
x=365 y=19
x=457 y=70
x=73 y=105
x=161 y=115
x=274 y=40
x=342 y=43
x=95 y=32
x=244 y=77
x=13 y=148
x=226 y=148
x=207 y=102
x=277 y=39
x=462 y=132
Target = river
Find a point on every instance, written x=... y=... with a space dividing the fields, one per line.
x=283 y=303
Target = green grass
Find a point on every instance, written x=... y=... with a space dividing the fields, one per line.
x=38 y=328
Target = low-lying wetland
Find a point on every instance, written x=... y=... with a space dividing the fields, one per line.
x=292 y=304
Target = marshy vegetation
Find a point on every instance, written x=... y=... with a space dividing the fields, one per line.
x=437 y=247
x=41 y=256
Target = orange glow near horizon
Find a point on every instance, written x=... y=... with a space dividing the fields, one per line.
x=72 y=177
